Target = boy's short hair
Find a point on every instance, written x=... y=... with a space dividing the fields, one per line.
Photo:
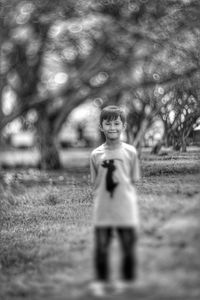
x=112 y=112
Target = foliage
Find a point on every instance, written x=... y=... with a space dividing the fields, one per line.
x=180 y=111
x=56 y=55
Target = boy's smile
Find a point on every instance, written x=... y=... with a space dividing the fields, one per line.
x=112 y=129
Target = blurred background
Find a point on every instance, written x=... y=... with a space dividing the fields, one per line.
x=62 y=61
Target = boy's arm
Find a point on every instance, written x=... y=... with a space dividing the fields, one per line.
x=93 y=171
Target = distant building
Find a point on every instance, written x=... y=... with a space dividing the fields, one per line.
x=23 y=139
x=196 y=136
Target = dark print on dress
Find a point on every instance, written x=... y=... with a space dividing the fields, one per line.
x=110 y=184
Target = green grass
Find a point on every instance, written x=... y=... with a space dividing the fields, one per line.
x=46 y=239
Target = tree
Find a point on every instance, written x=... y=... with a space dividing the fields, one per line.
x=157 y=58
x=180 y=111
x=26 y=42
x=121 y=46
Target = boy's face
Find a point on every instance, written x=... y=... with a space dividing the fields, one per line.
x=112 y=129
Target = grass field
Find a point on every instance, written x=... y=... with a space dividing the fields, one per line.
x=46 y=237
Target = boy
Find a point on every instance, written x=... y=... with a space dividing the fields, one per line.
x=114 y=169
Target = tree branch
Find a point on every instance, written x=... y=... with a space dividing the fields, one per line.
x=21 y=110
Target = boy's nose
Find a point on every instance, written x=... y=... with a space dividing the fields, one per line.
x=112 y=125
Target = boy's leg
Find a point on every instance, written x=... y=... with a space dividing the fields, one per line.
x=102 y=243
x=128 y=238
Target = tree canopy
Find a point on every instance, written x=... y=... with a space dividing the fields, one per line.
x=57 y=54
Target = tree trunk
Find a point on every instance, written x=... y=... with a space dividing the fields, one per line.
x=140 y=136
x=183 y=144
x=49 y=156
x=1 y=108
x=167 y=136
x=176 y=144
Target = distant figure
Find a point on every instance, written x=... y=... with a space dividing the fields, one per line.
x=157 y=147
x=114 y=169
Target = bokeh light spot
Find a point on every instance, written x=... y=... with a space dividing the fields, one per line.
x=75 y=28
x=98 y=102
x=61 y=78
x=156 y=76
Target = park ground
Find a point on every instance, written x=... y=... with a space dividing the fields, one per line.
x=46 y=238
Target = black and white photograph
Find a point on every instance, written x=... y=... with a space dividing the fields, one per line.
x=99 y=149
